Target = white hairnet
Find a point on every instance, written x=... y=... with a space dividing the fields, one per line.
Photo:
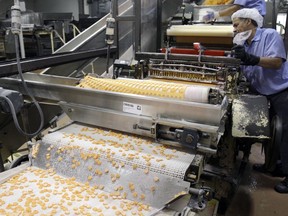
x=250 y=13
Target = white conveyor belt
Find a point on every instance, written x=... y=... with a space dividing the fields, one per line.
x=131 y=167
x=80 y=170
x=37 y=191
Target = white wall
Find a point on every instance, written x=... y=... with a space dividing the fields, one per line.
x=57 y=6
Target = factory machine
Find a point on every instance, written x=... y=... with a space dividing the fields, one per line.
x=160 y=138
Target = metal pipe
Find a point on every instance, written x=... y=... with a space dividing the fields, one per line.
x=211 y=59
x=137 y=24
x=108 y=58
x=16 y=28
x=21 y=43
x=286 y=30
x=52 y=42
x=274 y=15
x=206 y=150
x=159 y=24
x=63 y=33
x=114 y=12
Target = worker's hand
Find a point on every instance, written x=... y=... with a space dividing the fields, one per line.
x=246 y=58
x=210 y=16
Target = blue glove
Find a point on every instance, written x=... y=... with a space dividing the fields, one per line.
x=210 y=16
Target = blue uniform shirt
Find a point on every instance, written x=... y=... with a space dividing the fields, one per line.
x=260 y=5
x=267 y=43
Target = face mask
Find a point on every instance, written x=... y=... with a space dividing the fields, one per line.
x=241 y=37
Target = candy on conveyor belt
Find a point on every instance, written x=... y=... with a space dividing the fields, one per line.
x=80 y=170
x=195 y=93
x=42 y=192
x=127 y=166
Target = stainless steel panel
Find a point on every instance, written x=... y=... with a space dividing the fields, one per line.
x=32 y=18
x=148 y=25
x=169 y=8
x=151 y=106
x=125 y=122
x=56 y=16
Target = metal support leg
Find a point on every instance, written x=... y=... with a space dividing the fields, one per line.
x=1 y=160
x=286 y=32
x=159 y=24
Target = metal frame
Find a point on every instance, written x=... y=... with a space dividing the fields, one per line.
x=159 y=24
x=10 y=68
x=185 y=57
x=136 y=19
x=109 y=109
x=64 y=89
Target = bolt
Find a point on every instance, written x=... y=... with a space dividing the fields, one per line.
x=189 y=138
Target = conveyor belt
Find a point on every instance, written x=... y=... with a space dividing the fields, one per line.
x=42 y=192
x=129 y=166
x=195 y=93
x=64 y=89
x=79 y=170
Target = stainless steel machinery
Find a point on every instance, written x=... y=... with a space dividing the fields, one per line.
x=143 y=148
x=164 y=144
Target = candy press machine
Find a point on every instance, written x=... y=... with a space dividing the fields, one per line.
x=162 y=144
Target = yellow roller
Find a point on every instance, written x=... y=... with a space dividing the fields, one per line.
x=201 y=30
x=153 y=88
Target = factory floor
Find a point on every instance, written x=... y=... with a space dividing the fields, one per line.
x=255 y=195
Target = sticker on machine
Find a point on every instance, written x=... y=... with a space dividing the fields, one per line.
x=132 y=108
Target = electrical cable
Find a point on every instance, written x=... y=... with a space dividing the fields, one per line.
x=109 y=37
x=14 y=115
x=108 y=58
x=13 y=112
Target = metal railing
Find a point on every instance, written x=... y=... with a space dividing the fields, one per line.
x=54 y=33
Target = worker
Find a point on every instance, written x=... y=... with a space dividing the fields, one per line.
x=260 y=5
x=264 y=65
